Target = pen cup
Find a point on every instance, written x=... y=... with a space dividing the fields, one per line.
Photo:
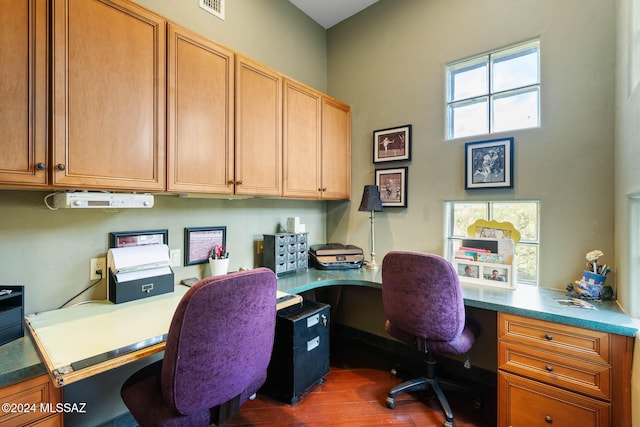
x=219 y=266
x=592 y=283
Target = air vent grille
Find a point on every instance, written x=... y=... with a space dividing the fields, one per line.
x=214 y=7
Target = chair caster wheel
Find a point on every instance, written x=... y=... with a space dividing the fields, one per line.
x=391 y=402
x=447 y=424
x=393 y=373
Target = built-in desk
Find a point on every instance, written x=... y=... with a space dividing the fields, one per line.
x=81 y=341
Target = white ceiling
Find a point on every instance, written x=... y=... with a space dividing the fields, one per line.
x=329 y=12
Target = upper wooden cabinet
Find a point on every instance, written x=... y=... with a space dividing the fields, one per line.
x=200 y=114
x=23 y=91
x=108 y=95
x=258 y=162
x=336 y=149
x=317 y=144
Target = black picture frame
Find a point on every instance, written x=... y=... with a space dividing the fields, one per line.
x=198 y=242
x=392 y=183
x=121 y=239
x=392 y=144
x=489 y=164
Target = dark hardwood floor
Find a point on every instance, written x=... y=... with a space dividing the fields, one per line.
x=354 y=393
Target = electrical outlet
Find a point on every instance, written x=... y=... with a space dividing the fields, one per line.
x=260 y=247
x=98 y=268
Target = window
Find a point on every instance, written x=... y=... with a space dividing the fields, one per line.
x=495 y=92
x=525 y=217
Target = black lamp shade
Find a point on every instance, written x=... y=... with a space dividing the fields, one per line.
x=371 y=199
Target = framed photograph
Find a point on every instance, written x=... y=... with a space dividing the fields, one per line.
x=489 y=164
x=468 y=270
x=121 y=239
x=390 y=145
x=392 y=184
x=198 y=242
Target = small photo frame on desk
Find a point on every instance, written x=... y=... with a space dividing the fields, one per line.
x=121 y=239
x=393 y=186
x=198 y=242
x=393 y=144
x=489 y=164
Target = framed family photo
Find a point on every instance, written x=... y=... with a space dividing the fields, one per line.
x=393 y=144
x=198 y=242
x=489 y=164
x=392 y=184
x=121 y=239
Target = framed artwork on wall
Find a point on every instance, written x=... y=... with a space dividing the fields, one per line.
x=392 y=183
x=489 y=164
x=121 y=239
x=393 y=144
x=199 y=241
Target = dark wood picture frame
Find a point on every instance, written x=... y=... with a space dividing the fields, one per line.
x=198 y=242
x=121 y=239
x=391 y=145
x=392 y=183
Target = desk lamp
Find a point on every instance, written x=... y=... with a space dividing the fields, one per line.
x=371 y=203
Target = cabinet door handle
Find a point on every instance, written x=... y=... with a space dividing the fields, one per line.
x=230 y=182
x=548 y=419
x=549 y=368
x=548 y=337
x=60 y=167
x=40 y=166
x=239 y=182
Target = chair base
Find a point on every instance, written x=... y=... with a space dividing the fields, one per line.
x=418 y=384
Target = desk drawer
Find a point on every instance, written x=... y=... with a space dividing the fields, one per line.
x=593 y=379
x=553 y=337
x=30 y=393
x=530 y=403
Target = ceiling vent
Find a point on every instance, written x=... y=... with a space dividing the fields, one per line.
x=214 y=7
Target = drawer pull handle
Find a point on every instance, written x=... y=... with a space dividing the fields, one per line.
x=548 y=337
x=548 y=419
x=549 y=368
x=324 y=320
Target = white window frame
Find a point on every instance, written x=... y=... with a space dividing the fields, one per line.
x=488 y=98
x=450 y=237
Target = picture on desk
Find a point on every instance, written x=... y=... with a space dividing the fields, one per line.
x=468 y=270
x=497 y=274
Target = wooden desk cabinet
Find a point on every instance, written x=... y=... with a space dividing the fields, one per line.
x=553 y=374
x=41 y=398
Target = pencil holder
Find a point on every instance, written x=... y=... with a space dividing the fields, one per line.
x=592 y=283
x=219 y=266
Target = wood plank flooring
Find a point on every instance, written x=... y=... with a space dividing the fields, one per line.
x=354 y=393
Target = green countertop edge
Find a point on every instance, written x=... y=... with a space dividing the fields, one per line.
x=19 y=359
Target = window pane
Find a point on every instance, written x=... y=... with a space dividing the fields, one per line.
x=468 y=79
x=514 y=68
x=469 y=118
x=517 y=110
x=465 y=214
x=523 y=216
x=527 y=263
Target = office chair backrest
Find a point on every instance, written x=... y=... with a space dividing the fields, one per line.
x=220 y=340
x=421 y=295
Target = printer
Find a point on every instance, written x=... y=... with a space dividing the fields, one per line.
x=335 y=256
x=136 y=272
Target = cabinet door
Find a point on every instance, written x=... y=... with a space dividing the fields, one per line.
x=336 y=150
x=200 y=114
x=258 y=166
x=301 y=139
x=108 y=95
x=23 y=91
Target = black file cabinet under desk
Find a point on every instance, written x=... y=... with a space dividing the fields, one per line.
x=300 y=355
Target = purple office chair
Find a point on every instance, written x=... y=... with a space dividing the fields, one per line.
x=218 y=349
x=423 y=302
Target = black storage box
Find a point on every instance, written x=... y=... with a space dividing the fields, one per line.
x=300 y=355
x=11 y=313
x=140 y=288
